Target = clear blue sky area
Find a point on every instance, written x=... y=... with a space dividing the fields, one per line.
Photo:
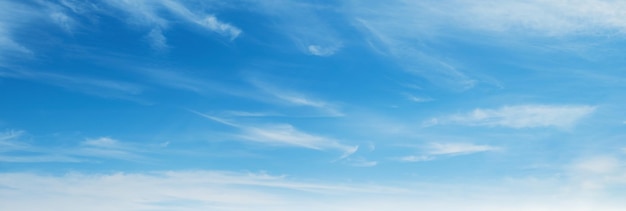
x=313 y=105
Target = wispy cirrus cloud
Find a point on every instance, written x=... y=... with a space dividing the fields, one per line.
x=410 y=31
x=13 y=17
x=93 y=86
x=511 y=18
x=15 y=149
x=520 y=116
x=458 y=148
x=8 y=140
x=284 y=135
x=546 y=18
x=291 y=97
x=416 y=99
x=305 y=24
x=150 y=14
x=435 y=150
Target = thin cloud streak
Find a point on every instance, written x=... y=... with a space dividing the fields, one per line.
x=520 y=116
x=294 y=98
x=283 y=135
x=14 y=150
x=458 y=148
x=437 y=150
x=93 y=86
x=147 y=14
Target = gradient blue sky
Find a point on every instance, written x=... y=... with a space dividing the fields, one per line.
x=313 y=105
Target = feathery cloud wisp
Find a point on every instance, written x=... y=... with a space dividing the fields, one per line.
x=285 y=135
x=148 y=14
x=290 y=97
x=521 y=116
x=458 y=148
x=437 y=149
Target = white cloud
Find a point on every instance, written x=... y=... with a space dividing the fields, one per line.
x=13 y=16
x=98 y=87
x=435 y=150
x=104 y=142
x=174 y=190
x=547 y=18
x=598 y=172
x=158 y=41
x=237 y=191
x=515 y=17
x=418 y=99
x=148 y=14
x=10 y=135
x=303 y=24
x=284 y=135
x=322 y=51
x=396 y=37
x=295 y=98
x=12 y=149
x=287 y=135
x=458 y=148
x=598 y=165
x=212 y=23
x=416 y=158
x=521 y=116
x=360 y=162
x=409 y=31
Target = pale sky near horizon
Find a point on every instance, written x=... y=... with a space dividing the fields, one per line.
x=313 y=105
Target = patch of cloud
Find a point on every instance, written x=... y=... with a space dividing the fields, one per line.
x=238 y=191
x=436 y=150
x=98 y=87
x=250 y=114
x=178 y=190
x=396 y=38
x=39 y=159
x=212 y=23
x=295 y=98
x=360 y=162
x=10 y=135
x=521 y=116
x=104 y=142
x=284 y=135
x=598 y=172
x=415 y=99
x=416 y=158
x=14 y=16
x=534 y=17
x=58 y=15
x=158 y=41
x=149 y=14
x=458 y=148
x=408 y=31
x=322 y=51
x=547 y=18
x=13 y=149
x=305 y=24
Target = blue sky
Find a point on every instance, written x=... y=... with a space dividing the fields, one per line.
x=312 y=105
